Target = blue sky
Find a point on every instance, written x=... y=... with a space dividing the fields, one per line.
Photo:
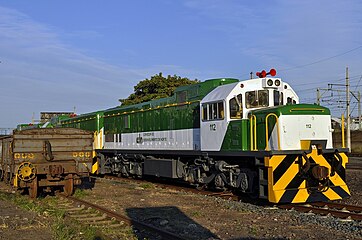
x=57 y=55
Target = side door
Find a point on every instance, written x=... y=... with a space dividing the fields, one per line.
x=213 y=125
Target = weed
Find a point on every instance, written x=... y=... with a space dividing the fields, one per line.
x=80 y=193
x=196 y=214
x=63 y=228
x=146 y=185
x=253 y=230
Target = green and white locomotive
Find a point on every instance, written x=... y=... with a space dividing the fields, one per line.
x=250 y=136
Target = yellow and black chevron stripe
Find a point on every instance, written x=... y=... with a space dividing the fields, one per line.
x=286 y=184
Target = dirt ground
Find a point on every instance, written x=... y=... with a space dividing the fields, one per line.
x=194 y=216
x=199 y=217
x=18 y=224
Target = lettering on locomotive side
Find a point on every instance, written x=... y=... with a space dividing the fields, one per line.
x=151 y=138
x=155 y=139
x=149 y=134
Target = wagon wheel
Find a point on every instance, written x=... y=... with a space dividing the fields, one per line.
x=33 y=188
x=69 y=185
x=1 y=175
x=6 y=177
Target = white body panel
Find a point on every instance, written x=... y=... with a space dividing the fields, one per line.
x=213 y=132
x=294 y=128
x=186 y=139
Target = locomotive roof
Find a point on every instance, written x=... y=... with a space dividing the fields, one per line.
x=193 y=92
x=220 y=93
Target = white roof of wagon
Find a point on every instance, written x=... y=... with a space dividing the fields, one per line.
x=219 y=93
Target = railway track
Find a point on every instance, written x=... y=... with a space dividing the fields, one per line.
x=338 y=210
x=92 y=214
x=354 y=167
x=342 y=211
x=187 y=188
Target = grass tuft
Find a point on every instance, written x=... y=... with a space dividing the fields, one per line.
x=80 y=193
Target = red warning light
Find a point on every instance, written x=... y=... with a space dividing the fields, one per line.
x=273 y=72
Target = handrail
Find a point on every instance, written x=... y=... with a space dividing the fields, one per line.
x=266 y=130
x=253 y=146
x=307 y=109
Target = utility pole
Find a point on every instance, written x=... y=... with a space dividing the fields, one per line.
x=356 y=95
x=359 y=111
x=358 y=98
x=318 y=97
x=348 y=113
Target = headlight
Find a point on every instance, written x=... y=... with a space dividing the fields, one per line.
x=277 y=82
x=269 y=82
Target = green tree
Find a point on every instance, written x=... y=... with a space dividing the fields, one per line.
x=156 y=87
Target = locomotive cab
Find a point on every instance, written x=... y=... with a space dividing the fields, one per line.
x=231 y=105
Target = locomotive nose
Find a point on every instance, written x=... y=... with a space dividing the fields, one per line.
x=320 y=172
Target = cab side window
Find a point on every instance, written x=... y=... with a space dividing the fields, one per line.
x=236 y=107
x=213 y=111
x=278 y=98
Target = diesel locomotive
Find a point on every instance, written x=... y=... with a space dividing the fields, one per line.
x=250 y=136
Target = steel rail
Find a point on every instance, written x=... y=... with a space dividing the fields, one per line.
x=164 y=234
x=339 y=206
x=322 y=210
x=189 y=189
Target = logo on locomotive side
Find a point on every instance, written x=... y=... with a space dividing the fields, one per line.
x=139 y=139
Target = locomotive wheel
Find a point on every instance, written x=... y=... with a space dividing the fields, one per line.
x=69 y=185
x=33 y=188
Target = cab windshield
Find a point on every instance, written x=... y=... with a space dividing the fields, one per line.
x=258 y=98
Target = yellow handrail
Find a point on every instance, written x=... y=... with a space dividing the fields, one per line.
x=266 y=130
x=253 y=146
x=342 y=126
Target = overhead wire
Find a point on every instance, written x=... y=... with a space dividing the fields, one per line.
x=358 y=82
x=321 y=60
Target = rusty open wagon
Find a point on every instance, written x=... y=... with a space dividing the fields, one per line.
x=46 y=159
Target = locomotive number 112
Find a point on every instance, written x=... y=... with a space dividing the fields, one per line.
x=212 y=127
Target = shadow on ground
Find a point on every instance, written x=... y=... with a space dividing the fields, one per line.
x=172 y=219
